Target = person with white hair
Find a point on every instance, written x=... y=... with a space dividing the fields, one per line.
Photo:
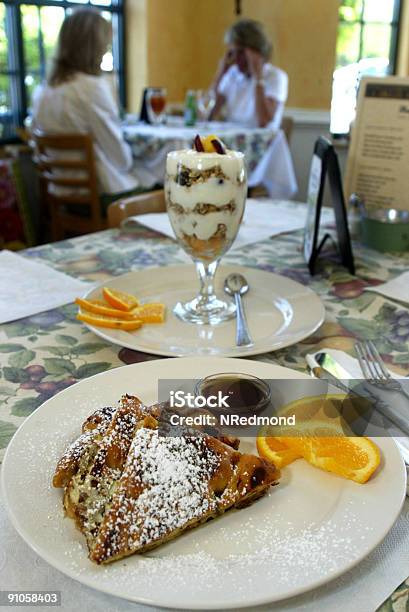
x=249 y=89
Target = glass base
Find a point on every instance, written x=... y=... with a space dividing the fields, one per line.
x=211 y=312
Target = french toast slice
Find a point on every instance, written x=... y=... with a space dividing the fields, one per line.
x=98 y=423
x=171 y=484
x=91 y=487
x=80 y=452
x=161 y=412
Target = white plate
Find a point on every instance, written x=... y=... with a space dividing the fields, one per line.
x=309 y=529
x=279 y=311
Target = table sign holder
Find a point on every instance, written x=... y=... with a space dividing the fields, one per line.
x=144 y=115
x=325 y=164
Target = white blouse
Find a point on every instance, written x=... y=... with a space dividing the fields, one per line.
x=86 y=104
x=239 y=92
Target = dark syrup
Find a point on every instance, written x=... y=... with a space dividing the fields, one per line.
x=246 y=395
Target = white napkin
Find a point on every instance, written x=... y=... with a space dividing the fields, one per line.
x=396 y=289
x=349 y=364
x=352 y=367
x=28 y=287
x=262 y=219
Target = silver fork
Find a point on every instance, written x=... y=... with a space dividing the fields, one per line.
x=374 y=369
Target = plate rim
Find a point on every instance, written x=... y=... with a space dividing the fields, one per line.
x=104 y=333
x=260 y=600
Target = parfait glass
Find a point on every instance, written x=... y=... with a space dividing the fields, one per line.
x=205 y=198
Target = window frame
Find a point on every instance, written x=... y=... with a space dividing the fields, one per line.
x=394 y=24
x=395 y=28
x=17 y=69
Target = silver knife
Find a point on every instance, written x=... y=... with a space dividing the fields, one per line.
x=330 y=370
x=329 y=364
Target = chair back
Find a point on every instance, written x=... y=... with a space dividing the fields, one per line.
x=67 y=171
x=150 y=202
x=287 y=124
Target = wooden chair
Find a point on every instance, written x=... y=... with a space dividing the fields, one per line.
x=77 y=211
x=151 y=202
x=287 y=124
x=24 y=135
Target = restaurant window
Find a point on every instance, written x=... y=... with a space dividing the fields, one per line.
x=28 y=33
x=366 y=45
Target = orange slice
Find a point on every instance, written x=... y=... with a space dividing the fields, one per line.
x=213 y=144
x=207 y=143
x=119 y=299
x=274 y=450
x=323 y=445
x=100 y=320
x=100 y=307
x=150 y=313
x=322 y=436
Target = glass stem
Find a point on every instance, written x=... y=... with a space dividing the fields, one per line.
x=206 y=274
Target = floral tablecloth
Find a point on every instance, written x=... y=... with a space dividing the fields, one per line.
x=149 y=140
x=42 y=354
x=266 y=151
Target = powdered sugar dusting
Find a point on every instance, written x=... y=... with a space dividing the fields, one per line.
x=164 y=486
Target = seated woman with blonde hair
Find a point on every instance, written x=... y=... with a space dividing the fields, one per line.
x=78 y=98
x=250 y=89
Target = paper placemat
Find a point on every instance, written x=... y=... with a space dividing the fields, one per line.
x=395 y=289
x=28 y=287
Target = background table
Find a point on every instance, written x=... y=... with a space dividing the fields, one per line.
x=267 y=153
x=47 y=352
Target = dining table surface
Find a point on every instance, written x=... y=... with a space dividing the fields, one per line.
x=266 y=150
x=148 y=139
x=47 y=352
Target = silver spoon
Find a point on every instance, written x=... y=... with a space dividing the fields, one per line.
x=236 y=285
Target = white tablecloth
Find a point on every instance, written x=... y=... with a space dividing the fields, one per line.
x=267 y=152
x=363 y=588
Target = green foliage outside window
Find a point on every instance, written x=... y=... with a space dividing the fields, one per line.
x=367 y=29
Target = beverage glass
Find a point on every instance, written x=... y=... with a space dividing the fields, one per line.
x=156 y=101
x=190 y=107
x=205 y=197
x=206 y=101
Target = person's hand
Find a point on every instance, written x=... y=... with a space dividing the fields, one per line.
x=255 y=62
x=226 y=61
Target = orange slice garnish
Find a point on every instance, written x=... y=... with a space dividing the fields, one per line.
x=101 y=307
x=323 y=437
x=352 y=457
x=150 y=313
x=273 y=450
x=119 y=299
x=213 y=144
x=100 y=320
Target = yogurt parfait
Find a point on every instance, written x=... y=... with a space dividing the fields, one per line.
x=205 y=190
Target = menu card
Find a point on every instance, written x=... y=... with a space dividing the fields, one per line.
x=378 y=160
